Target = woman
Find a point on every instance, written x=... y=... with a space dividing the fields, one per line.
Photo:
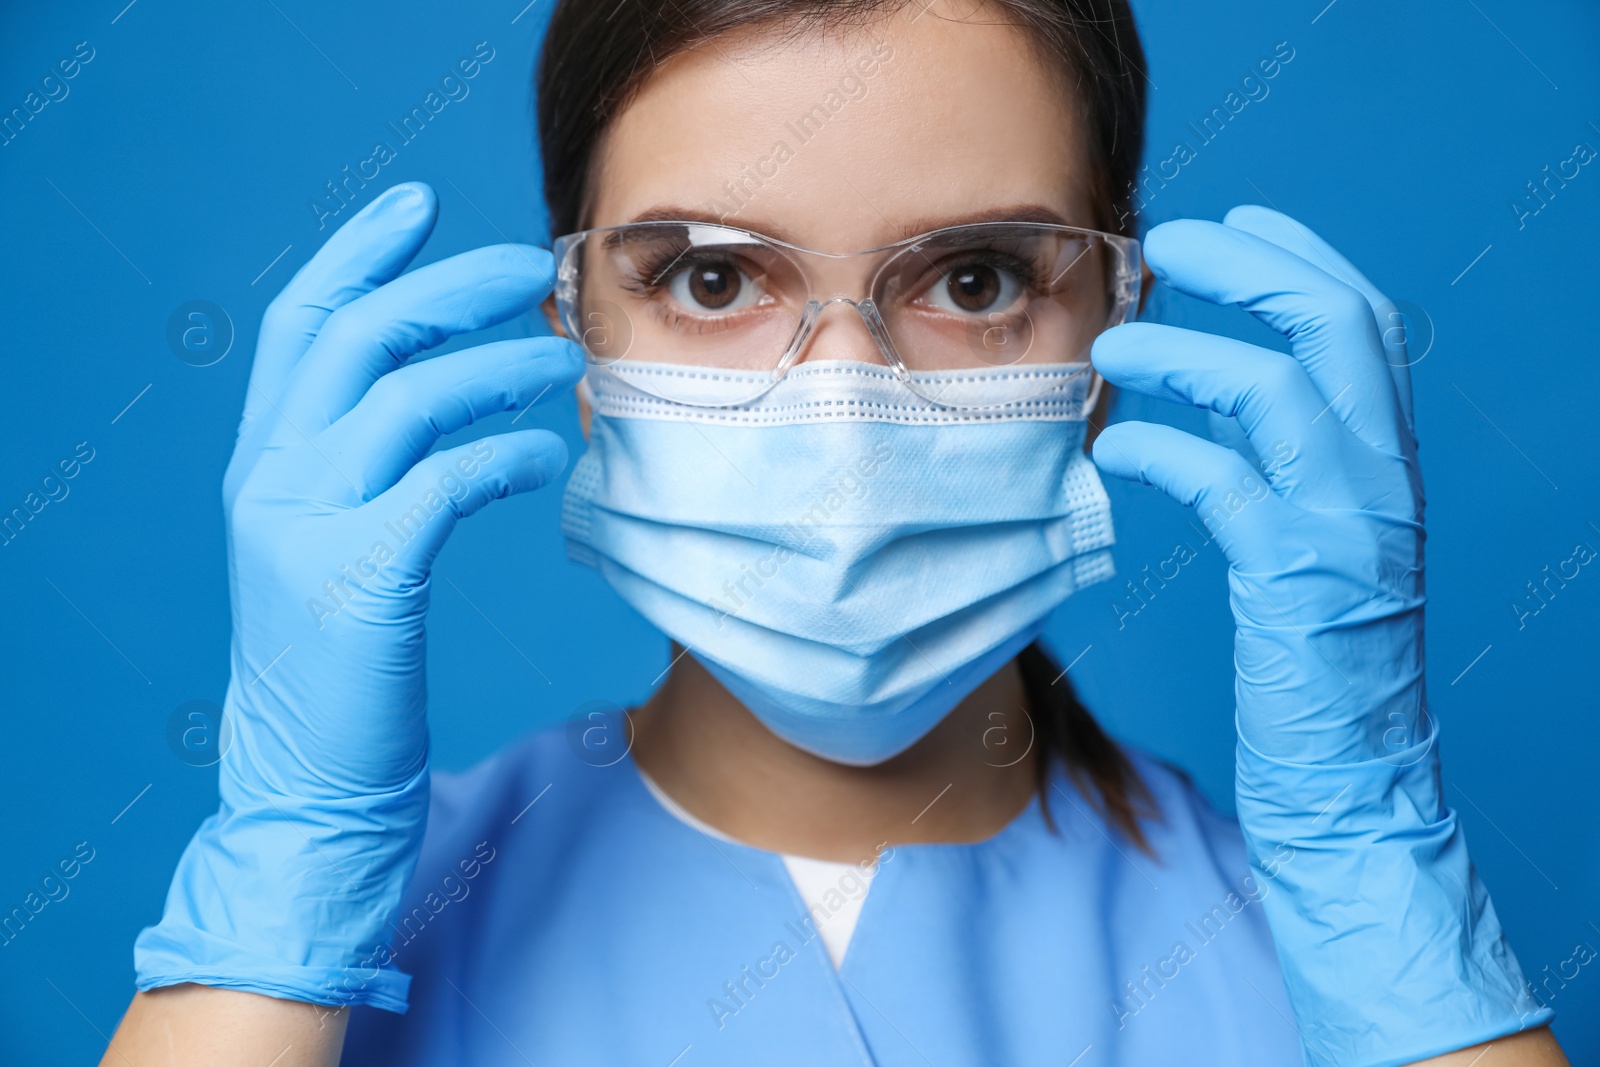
x=862 y=820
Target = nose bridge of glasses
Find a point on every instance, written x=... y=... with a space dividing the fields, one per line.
x=831 y=277
x=825 y=333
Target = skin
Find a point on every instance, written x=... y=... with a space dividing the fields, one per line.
x=881 y=170
x=895 y=163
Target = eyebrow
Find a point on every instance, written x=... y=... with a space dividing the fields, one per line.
x=1009 y=213
x=913 y=228
x=670 y=213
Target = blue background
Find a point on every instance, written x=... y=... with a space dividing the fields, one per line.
x=185 y=158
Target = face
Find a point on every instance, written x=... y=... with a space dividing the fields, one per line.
x=846 y=141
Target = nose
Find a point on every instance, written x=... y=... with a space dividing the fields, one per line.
x=839 y=331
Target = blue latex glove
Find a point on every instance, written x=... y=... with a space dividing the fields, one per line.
x=335 y=511
x=1389 y=944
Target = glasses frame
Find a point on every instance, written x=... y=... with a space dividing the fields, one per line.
x=1126 y=282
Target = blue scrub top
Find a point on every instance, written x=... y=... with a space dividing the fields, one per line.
x=560 y=915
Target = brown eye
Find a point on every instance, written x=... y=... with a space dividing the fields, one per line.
x=712 y=286
x=974 y=288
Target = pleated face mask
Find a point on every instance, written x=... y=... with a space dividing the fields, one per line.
x=848 y=559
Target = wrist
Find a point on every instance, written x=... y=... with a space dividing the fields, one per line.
x=291 y=898
x=1385 y=933
x=1328 y=719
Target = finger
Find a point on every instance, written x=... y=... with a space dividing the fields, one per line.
x=1329 y=325
x=405 y=413
x=369 y=250
x=424 y=506
x=1225 y=431
x=376 y=333
x=1274 y=401
x=1239 y=510
x=1296 y=237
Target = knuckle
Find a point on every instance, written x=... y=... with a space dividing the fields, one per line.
x=456 y=491
x=1274 y=377
x=392 y=394
x=1347 y=305
x=283 y=317
x=293 y=312
x=1217 y=473
x=341 y=328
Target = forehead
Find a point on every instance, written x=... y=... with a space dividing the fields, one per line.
x=850 y=138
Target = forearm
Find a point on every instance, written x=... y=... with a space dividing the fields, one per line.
x=1390 y=945
x=180 y=1025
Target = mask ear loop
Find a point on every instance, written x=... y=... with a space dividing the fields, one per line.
x=1131 y=278
x=1093 y=399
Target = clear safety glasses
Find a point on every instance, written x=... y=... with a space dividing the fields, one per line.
x=1003 y=298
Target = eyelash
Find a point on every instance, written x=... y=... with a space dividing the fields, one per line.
x=1026 y=273
x=652 y=280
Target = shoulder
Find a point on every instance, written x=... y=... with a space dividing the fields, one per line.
x=533 y=794
x=1185 y=815
x=1191 y=905
x=1189 y=830
x=483 y=881
x=487 y=787
x=1192 y=844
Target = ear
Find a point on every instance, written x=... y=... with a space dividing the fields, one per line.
x=553 y=316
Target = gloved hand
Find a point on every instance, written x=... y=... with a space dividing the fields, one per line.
x=335 y=512
x=1389 y=944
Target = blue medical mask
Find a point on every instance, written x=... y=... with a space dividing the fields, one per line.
x=849 y=560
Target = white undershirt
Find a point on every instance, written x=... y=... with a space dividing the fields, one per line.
x=833 y=892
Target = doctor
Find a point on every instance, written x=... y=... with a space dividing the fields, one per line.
x=832 y=275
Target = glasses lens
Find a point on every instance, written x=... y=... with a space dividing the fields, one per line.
x=683 y=294
x=1002 y=297
x=704 y=314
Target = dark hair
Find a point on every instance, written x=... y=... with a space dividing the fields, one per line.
x=598 y=53
x=1064 y=728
